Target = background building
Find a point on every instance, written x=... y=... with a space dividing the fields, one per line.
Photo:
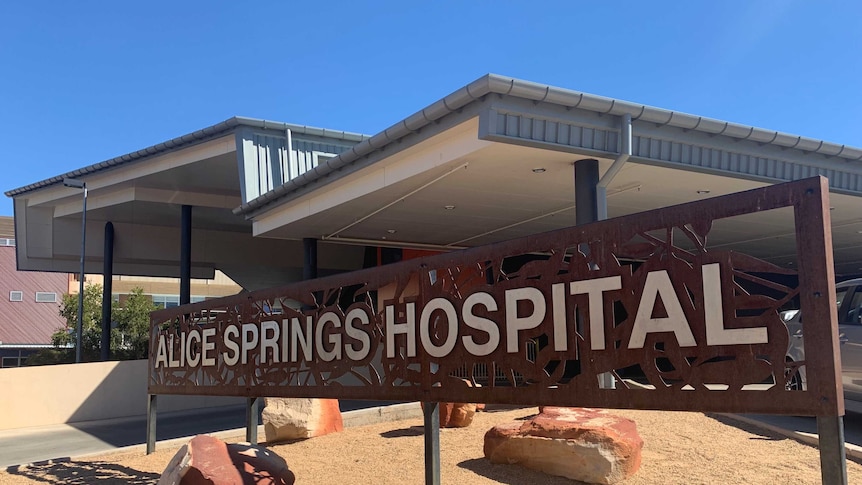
x=30 y=300
x=164 y=292
x=29 y=304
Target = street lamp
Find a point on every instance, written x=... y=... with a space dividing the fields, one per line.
x=80 y=184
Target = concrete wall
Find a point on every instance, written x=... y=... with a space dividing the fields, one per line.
x=56 y=394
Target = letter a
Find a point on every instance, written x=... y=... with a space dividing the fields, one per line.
x=658 y=284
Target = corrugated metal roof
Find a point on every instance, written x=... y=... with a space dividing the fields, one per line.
x=26 y=321
x=490 y=83
x=199 y=136
x=502 y=85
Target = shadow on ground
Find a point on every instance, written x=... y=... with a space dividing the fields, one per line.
x=764 y=434
x=84 y=473
x=512 y=474
x=401 y=433
x=500 y=408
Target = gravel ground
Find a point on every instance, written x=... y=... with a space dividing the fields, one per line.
x=679 y=448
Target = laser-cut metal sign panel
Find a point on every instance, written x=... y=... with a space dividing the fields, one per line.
x=681 y=324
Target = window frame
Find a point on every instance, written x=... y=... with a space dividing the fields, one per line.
x=43 y=295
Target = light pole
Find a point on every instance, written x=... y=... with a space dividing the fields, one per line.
x=80 y=184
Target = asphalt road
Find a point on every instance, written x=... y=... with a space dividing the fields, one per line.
x=64 y=441
x=807 y=428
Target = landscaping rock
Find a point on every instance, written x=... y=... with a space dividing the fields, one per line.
x=298 y=418
x=589 y=445
x=456 y=414
x=206 y=460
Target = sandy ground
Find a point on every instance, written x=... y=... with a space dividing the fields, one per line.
x=679 y=448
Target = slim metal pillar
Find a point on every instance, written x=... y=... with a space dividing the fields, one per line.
x=431 y=410
x=186 y=255
x=107 y=298
x=251 y=409
x=152 y=401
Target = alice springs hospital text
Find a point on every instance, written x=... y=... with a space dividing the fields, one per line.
x=331 y=336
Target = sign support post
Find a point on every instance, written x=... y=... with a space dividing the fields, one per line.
x=152 y=400
x=252 y=406
x=833 y=459
x=431 y=410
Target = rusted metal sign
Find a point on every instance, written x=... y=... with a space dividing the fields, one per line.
x=537 y=320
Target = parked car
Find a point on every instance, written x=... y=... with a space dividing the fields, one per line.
x=849 y=300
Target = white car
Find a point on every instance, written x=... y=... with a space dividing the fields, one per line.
x=849 y=300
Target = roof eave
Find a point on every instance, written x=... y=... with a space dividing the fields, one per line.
x=180 y=142
x=506 y=86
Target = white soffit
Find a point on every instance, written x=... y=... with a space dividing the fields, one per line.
x=420 y=163
x=146 y=194
x=125 y=176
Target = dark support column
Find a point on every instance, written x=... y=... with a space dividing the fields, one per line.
x=587 y=211
x=431 y=410
x=833 y=459
x=252 y=406
x=107 y=299
x=391 y=255
x=186 y=256
x=586 y=179
x=309 y=260
x=151 y=422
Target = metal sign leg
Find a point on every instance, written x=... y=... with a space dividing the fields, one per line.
x=151 y=422
x=432 y=443
x=833 y=460
x=251 y=420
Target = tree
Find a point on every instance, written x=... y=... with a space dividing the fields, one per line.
x=130 y=328
x=91 y=327
x=133 y=324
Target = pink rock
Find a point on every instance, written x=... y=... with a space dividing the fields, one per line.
x=206 y=460
x=456 y=414
x=589 y=445
x=298 y=418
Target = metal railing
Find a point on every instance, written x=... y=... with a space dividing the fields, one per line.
x=480 y=373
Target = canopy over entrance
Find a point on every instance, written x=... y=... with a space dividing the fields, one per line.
x=490 y=162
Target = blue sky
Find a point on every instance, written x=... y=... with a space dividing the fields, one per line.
x=84 y=81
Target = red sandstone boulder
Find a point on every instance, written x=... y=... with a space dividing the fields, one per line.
x=589 y=445
x=298 y=418
x=456 y=414
x=206 y=460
